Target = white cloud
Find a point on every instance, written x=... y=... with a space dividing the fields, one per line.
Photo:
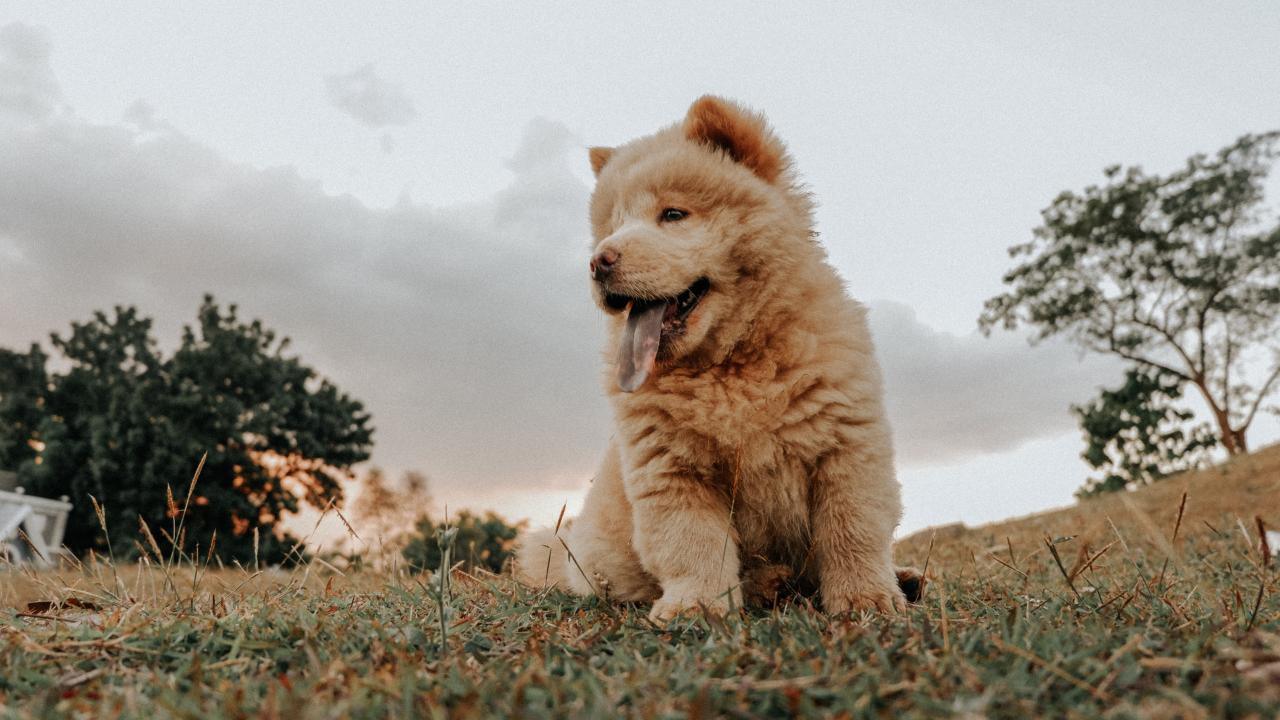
x=27 y=84
x=467 y=330
x=952 y=397
x=142 y=115
x=370 y=99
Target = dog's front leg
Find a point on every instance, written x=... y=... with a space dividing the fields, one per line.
x=856 y=506
x=684 y=538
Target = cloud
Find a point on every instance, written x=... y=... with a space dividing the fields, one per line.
x=142 y=115
x=952 y=397
x=467 y=330
x=27 y=83
x=370 y=99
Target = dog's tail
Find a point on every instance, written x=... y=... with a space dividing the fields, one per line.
x=541 y=560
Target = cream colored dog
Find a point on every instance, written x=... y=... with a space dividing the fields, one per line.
x=751 y=451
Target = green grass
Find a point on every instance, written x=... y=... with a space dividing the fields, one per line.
x=1187 y=626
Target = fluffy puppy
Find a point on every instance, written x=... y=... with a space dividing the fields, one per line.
x=751 y=448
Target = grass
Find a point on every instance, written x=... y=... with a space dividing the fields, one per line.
x=1146 y=608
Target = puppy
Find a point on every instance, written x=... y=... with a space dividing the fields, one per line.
x=751 y=450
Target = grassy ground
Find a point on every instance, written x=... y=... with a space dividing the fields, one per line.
x=1144 y=608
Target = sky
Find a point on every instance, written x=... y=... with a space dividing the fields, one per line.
x=402 y=190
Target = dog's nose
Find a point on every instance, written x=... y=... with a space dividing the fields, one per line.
x=603 y=262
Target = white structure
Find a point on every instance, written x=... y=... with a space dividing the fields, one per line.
x=43 y=521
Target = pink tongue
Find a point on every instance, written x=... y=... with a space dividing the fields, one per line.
x=639 y=349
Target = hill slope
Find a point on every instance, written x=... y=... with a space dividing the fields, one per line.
x=1225 y=499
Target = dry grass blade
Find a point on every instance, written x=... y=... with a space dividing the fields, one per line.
x=22 y=535
x=747 y=683
x=1264 y=542
x=151 y=540
x=1164 y=567
x=1053 y=550
x=350 y=530
x=1182 y=507
x=995 y=557
x=546 y=578
x=560 y=519
x=1257 y=604
x=608 y=606
x=924 y=571
x=175 y=547
x=1092 y=558
x=101 y=514
x=159 y=556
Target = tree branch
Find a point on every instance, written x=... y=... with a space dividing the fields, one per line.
x=1191 y=366
x=1226 y=374
x=1113 y=349
x=1202 y=321
x=1262 y=393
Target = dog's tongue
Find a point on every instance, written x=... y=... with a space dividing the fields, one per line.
x=639 y=349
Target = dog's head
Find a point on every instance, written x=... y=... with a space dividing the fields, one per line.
x=689 y=225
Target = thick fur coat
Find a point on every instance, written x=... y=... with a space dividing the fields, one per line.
x=751 y=451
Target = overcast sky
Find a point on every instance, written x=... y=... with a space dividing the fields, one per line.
x=403 y=192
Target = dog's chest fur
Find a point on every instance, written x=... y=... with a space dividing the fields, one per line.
x=747 y=431
x=771 y=517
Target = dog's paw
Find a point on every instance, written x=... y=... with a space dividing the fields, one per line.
x=853 y=597
x=667 y=609
x=602 y=586
x=686 y=599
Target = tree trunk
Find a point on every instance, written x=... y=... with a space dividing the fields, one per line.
x=1241 y=443
x=1232 y=439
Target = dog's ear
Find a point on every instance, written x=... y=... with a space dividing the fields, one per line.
x=599 y=156
x=739 y=132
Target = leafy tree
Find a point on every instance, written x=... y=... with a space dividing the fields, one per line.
x=1135 y=435
x=1178 y=274
x=22 y=381
x=125 y=424
x=481 y=541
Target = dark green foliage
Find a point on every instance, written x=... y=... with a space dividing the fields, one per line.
x=1136 y=435
x=22 y=383
x=118 y=421
x=483 y=541
x=1179 y=273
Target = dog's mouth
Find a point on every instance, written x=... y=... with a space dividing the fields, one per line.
x=649 y=321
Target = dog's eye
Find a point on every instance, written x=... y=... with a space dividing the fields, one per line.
x=672 y=215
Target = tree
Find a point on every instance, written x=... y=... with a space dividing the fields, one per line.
x=1178 y=274
x=481 y=541
x=384 y=511
x=126 y=425
x=22 y=380
x=1135 y=434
